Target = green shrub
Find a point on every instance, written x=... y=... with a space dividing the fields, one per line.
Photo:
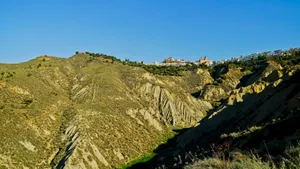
x=9 y=75
x=223 y=77
x=27 y=101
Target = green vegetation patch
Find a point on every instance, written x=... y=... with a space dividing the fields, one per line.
x=142 y=159
x=147 y=157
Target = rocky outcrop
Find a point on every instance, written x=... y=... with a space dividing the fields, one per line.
x=261 y=74
x=212 y=93
x=222 y=87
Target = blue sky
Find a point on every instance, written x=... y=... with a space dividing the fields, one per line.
x=148 y=30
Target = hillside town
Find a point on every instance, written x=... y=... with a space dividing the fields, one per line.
x=180 y=62
x=205 y=60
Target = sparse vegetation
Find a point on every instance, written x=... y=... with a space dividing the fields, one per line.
x=253 y=162
x=7 y=75
x=245 y=132
x=216 y=103
x=107 y=58
x=289 y=160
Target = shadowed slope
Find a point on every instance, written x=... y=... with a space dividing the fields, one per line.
x=271 y=108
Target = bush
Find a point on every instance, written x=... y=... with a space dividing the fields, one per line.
x=27 y=101
x=9 y=75
x=223 y=77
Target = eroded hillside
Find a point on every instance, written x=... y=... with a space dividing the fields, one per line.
x=83 y=112
x=93 y=111
x=259 y=114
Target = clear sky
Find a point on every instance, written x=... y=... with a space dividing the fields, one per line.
x=148 y=30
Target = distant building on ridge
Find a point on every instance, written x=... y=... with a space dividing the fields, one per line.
x=205 y=61
x=169 y=60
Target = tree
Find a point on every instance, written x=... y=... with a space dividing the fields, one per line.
x=76 y=52
x=262 y=57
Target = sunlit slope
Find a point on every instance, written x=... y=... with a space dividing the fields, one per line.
x=86 y=113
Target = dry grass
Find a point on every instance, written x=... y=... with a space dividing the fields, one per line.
x=289 y=160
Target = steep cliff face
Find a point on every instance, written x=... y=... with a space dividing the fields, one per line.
x=83 y=113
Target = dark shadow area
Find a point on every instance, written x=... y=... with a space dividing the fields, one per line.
x=68 y=151
x=161 y=151
x=65 y=158
x=273 y=138
x=196 y=94
x=276 y=110
x=244 y=80
x=253 y=77
x=219 y=70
